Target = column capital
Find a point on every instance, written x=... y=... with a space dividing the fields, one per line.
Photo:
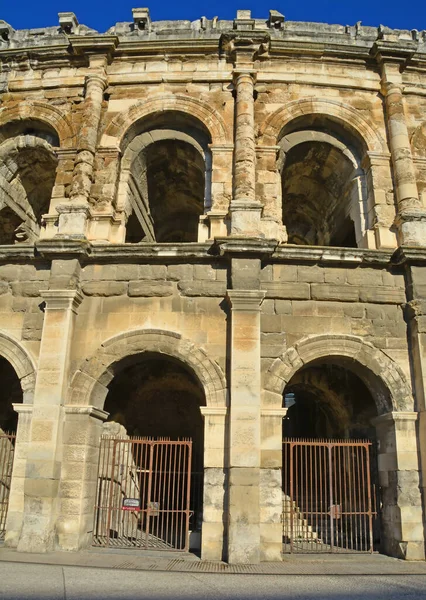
x=92 y=411
x=22 y=408
x=245 y=300
x=273 y=412
x=97 y=80
x=62 y=299
x=238 y=73
x=212 y=411
x=395 y=416
x=391 y=87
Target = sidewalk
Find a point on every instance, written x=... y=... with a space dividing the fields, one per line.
x=296 y=564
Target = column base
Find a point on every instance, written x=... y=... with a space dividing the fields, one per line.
x=245 y=218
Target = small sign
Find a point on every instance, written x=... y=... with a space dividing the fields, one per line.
x=131 y=504
x=335 y=511
x=154 y=508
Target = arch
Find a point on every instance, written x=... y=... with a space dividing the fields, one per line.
x=363 y=358
x=22 y=362
x=193 y=107
x=142 y=141
x=295 y=138
x=12 y=146
x=270 y=130
x=36 y=110
x=88 y=386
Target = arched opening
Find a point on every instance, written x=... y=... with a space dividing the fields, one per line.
x=165 y=178
x=27 y=180
x=11 y=393
x=31 y=127
x=153 y=395
x=324 y=189
x=328 y=400
x=330 y=477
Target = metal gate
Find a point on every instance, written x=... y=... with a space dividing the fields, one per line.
x=7 y=450
x=143 y=494
x=328 y=496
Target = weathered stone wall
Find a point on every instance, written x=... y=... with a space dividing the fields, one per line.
x=235 y=303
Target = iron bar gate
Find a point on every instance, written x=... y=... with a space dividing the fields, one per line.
x=7 y=450
x=328 y=498
x=143 y=494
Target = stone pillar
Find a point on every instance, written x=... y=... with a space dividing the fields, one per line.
x=415 y=315
x=269 y=193
x=106 y=223
x=380 y=207
x=402 y=515
x=15 y=513
x=411 y=217
x=245 y=209
x=79 y=476
x=271 y=495
x=244 y=427
x=215 y=479
x=87 y=141
x=43 y=468
x=63 y=180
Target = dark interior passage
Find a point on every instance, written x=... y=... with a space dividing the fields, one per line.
x=326 y=400
x=157 y=396
x=11 y=393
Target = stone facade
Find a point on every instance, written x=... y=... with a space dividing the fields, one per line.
x=246 y=198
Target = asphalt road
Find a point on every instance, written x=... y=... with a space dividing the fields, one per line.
x=48 y=582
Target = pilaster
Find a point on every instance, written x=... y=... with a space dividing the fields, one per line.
x=43 y=466
x=244 y=428
x=215 y=480
x=398 y=461
x=411 y=216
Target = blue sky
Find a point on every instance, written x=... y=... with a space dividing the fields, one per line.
x=102 y=14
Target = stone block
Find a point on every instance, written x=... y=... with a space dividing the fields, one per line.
x=204 y=272
x=356 y=311
x=105 y=288
x=180 y=272
x=289 y=291
x=310 y=274
x=285 y=273
x=30 y=289
x=382 y=295
x=202 y=288
x=283 y=307
x=152 y=272
x=270 y=323
x=150 y=288
x=344 y=293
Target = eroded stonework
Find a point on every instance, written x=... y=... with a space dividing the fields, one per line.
x=211 y=220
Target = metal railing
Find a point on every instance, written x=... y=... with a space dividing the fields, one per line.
x=328 y=496
x=143 y=494
x=7 y=450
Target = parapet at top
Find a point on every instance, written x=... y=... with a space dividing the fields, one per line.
x=142 y=27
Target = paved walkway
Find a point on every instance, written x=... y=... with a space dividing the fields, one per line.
x=31 y=581
x=302 y=564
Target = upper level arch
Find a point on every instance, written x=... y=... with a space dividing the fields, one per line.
x=33 y=111
x=121 y=130
x=27 y=175
x=327 y=190
x=165 y=177
x=345 y=116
